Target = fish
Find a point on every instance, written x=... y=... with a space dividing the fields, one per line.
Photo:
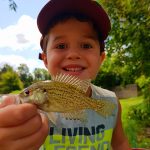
x=65 y=94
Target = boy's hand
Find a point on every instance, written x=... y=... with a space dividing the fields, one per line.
x=21 y=126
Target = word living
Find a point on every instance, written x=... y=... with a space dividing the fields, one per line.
x=80 y=138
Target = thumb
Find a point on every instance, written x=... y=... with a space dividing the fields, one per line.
x=7 y=100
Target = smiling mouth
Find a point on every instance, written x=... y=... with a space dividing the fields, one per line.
x=76 y=69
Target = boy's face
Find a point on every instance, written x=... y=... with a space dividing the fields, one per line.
x=73 y=48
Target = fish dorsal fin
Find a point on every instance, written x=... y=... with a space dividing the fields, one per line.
x=72 y=80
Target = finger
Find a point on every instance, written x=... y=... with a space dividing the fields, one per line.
x=28 y=128
x=37 y=139
x=13 y=115
x=7 y=100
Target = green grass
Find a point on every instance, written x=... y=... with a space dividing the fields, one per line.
x=131 y=127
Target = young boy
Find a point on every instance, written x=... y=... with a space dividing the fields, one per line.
x=73 y=34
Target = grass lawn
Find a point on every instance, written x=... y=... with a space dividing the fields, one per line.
x=133 y=128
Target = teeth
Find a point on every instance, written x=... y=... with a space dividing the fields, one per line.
x=74 y=69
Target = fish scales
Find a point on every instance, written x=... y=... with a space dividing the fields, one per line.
x=68 y=97
x=75 y=98
x=56 y=96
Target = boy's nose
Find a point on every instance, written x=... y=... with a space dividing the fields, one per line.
x=73 y=54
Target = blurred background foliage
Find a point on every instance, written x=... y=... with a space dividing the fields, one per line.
x=17 y=79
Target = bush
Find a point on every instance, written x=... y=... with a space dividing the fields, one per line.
x=9 y=81
x=107 y=79
x=140 y=113
x=144 y=83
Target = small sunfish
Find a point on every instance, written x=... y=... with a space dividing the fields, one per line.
x=65 y=94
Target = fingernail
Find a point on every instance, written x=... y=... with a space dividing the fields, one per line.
x=8 y=99
x=17 y=100
x=2 y=98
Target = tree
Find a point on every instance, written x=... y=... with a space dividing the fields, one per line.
x=12 y=5
x=24 y=74
x=6 y=68
x=109 y=76
x=129 y=37
x=9 y=81
x=41 y=74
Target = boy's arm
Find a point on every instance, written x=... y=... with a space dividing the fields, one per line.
x=21 y=126
x=119 y=140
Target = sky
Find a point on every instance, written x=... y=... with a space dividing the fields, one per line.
x=19 y=35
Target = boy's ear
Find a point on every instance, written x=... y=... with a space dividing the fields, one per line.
x=102 y=57
x=43 y=57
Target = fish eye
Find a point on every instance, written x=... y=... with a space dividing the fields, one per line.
x=26 y=92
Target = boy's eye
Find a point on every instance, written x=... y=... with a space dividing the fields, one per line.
x=61 y=46
x=86 y=46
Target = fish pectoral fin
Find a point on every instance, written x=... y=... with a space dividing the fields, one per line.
x=52 y=117
x=76 y=115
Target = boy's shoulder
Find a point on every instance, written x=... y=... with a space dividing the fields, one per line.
x=101 y=91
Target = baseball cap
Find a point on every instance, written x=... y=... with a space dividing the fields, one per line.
x=89 y=8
